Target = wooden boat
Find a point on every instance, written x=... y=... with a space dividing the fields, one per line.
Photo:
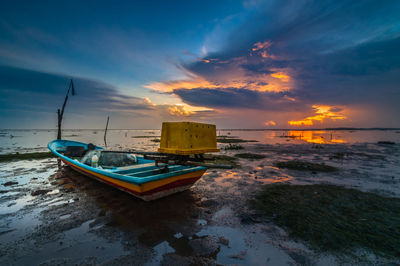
x=131 y=173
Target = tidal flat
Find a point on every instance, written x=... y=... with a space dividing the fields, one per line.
x=51 y=215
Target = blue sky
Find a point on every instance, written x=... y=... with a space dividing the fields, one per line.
x=238 y=64
x=122 y=42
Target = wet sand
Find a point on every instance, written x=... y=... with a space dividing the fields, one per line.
x=56 y=216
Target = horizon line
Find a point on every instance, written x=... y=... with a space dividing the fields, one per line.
x=222 y=129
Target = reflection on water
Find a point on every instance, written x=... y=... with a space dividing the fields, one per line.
x=36 y=140
x=318 y=137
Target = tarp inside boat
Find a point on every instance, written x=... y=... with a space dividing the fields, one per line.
x=109 y=159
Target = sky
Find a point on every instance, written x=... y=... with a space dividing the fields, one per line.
x=237 y=64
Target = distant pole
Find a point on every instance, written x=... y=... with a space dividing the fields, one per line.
x=105 y=132
x=59 y=124
x=60 y=114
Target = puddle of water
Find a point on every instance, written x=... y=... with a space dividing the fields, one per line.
x=19 y=225
x=201 y=222
x=251 y=250
x=160 y=250
x=76 y=244
x=178 y=235
x=16 y=205
x=65 y=216
x=61 y=202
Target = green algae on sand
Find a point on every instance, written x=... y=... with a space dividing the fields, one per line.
x=223 y=160
x=233 y=147
x=251 y=156
x=25 y=156
x=333 y=218
x=232 y=139
x=305 y=166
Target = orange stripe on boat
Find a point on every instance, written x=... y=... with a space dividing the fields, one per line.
x=146 y=188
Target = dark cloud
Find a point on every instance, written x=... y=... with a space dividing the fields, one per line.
x=237 y=98
x=366 y=74
x=264 y=67
x=31 y=98
x=258 y=68
x=34 y=90
x=302 y=27
x=370 y=58
x=337 y=52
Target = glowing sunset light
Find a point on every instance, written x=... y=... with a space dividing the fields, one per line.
x=261 y=49
x=207 y=60
x=322 y=112
x=169 y=86
x=265 y=55
x=261 y=45
x=268 y=87
x=338 y=141
x=262 y=84
x=270 y=123
x=147 y=100
x=304 y=122
x=318 y=137
x=179 y=110
x=281 y=75
x=239 y=72
x=289 y=98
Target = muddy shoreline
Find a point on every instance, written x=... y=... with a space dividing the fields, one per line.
x=54 y=216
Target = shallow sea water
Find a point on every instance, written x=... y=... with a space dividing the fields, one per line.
x=80 y=221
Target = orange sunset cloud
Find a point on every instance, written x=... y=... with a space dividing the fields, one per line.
x=323 y=112
x=179 y=110
x=275 y=82
x=281 y=75
x=270 y=123
x=261 y=48
x=261 y=45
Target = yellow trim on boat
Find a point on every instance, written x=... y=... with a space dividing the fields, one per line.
x=146 y=186
x=162 y=182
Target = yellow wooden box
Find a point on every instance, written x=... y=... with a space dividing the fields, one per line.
x=187 y=138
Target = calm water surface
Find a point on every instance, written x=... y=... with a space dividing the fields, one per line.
x=36 y=140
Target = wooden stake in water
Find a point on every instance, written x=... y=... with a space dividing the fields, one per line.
x=60 y=114
x=105 y=132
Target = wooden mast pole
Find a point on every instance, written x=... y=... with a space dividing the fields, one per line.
x=60 y=113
